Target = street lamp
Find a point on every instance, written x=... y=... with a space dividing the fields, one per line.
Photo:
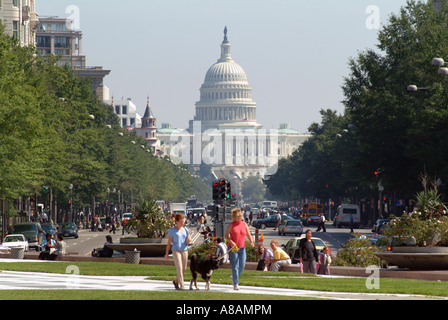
x=439 y=62
x=70 y=186
x=414 y=88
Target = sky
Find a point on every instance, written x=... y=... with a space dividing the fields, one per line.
x=295 y=52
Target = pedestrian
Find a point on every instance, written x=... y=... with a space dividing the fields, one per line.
x=60 y=248
x=279 y=220
x=324 y=262
x=321 y=224
x=235 y=235
x=220 y=251
x=281 y=258
x=351 y=223
x=307 y=253
x=106 y=251
x=179 y=237
x=48 y=247
x=265 y=256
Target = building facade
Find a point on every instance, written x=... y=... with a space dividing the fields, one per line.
x=148 y=129
x=20 y=20
x=126 y=110
x=56 y=36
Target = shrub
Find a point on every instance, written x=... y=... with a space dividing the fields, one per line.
x=357 y=252
x=150 y=221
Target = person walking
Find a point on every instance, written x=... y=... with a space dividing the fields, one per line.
x=307 y=253
x=324 y=262
x=279 y=220
x=321 y=224
x=351 y=223
x=179 y=237
x=281 y=258
x=236 y=235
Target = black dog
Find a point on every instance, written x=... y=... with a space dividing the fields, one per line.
x=204 y=267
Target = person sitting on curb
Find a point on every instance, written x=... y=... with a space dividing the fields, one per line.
x=281 y=258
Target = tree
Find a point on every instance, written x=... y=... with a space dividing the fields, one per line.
x=404 y=134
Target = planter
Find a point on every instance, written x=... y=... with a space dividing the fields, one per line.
x=147 y=247
x=421 y=258
x=143 y=240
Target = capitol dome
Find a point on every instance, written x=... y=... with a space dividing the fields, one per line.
x=226 y=96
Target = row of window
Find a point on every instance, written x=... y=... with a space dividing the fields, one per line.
x=125 y=123
x=59 y=42
x=121 y=109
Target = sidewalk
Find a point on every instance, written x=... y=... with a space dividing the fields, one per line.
x=13 y=280
x=429 y=275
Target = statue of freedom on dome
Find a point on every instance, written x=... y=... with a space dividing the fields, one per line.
x=225 y=34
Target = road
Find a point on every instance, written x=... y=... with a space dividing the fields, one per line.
x=333 y=237
x=89 y=240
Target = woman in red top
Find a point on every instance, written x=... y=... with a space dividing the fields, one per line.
x=236 y=234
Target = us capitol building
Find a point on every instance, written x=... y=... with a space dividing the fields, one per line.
x=224 y=132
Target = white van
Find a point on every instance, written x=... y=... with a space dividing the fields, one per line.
x=269 y=204
x=343 y=215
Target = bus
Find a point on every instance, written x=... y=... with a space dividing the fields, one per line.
x=311 y=210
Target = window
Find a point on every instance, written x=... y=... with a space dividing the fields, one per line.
x=43 y=42
x=117 y=109
x=124 y=122
x=15 y=29
x=15 y=3
x=124 y=109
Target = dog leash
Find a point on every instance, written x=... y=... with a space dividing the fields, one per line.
x=233 y=249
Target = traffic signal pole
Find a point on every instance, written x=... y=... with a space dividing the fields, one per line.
x=223 y=200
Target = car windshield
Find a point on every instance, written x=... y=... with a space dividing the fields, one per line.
x=67 y=225
x=25 y=227
x=48 y=227
x=13 y=238
x=293 y=223
x=318 y=242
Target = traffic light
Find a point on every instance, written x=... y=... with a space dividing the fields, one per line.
x=215 y=191
x=233 y=199
x=228 y=191
x=45 y=190
x=222 y=189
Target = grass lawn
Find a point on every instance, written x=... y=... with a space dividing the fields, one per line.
x=221 y=276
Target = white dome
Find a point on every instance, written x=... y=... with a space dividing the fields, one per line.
x=225 y=95
x=224 y=72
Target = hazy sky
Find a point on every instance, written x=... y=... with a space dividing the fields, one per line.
x=294 y=52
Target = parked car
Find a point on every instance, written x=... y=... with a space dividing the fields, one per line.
x=50 y=228
x=16 y=241
x=293 y=244
x=68 y=229
x=269 y=222
x=33 y=233
x=378 y=223
x=291 y=226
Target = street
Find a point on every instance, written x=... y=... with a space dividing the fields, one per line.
x=333 y=238
x=89 y=240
